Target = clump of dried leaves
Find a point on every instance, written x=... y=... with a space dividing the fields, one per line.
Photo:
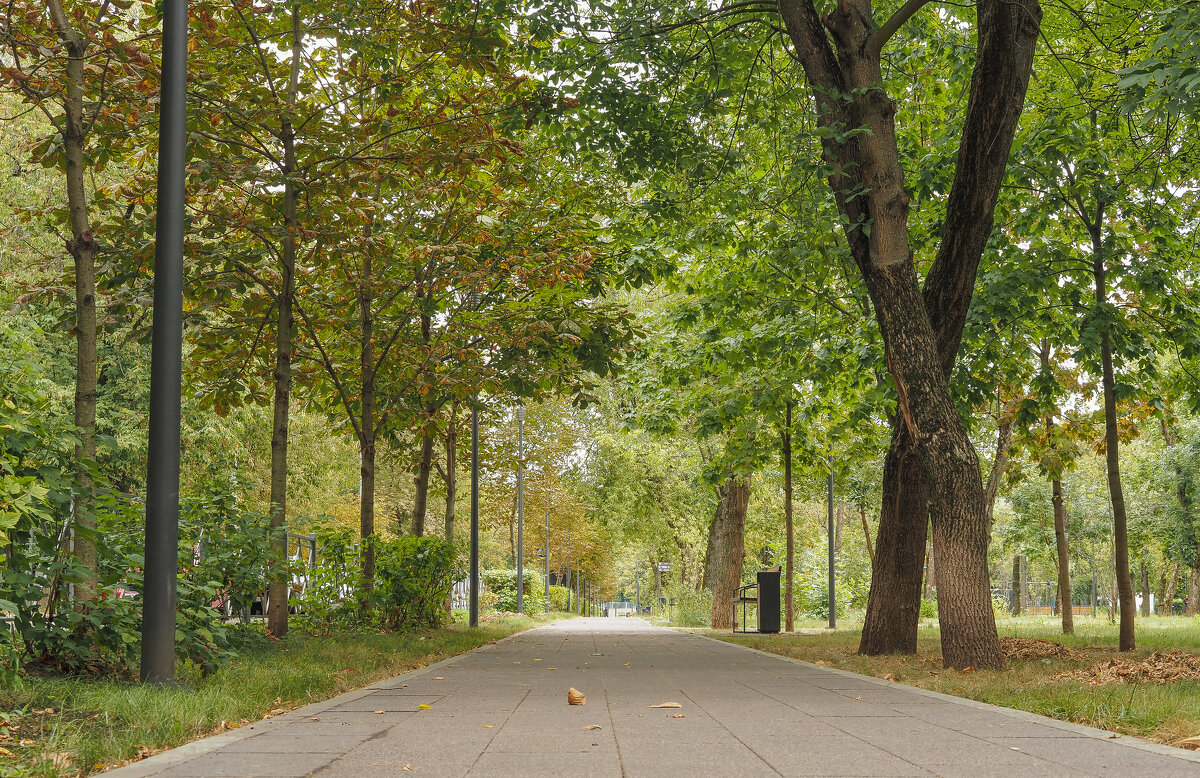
x=1159 y=667
x=1034 y=648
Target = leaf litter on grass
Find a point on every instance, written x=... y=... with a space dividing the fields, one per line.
x=1159 y=667
x=1035 y=648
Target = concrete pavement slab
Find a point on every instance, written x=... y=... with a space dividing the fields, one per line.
x=502 y=710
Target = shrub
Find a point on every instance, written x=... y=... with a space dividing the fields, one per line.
x=413 y=578
x=559 y=597
x=929 y=608
x=692 y=608
x=502 y=584
x=329 y=603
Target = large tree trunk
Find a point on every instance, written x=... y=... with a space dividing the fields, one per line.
x=893 y=605
x=1111 y=444
x=729 y=523
x=83 y=249
x=277 y=587
x=789 y=572
x=921 y=333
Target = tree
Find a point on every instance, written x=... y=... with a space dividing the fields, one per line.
x=85 y=72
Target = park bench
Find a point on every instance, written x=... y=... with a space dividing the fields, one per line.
x=765 y=598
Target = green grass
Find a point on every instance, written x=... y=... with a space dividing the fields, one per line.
x=97 y=722
x=1165 y=713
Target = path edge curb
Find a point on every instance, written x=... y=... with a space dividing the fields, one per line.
x=1129 y=741
x=186 y=752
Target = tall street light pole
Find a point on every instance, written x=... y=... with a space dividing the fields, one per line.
x=166 y=359
x=521 y=509
x=547 y=550
x=474 y=602
x=832 y=561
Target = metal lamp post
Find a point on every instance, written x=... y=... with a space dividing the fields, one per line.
x=521 y=509
x=166 y=359
x=832 y=561
x=547 y=548
x=473 y=606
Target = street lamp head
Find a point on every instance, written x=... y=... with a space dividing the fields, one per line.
x=521 y=413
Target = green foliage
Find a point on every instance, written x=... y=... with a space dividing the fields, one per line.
x=413 y=579
x=559 y=598
x=929 y=607
x=691 y=608
x=502 y=585
x=329 y=602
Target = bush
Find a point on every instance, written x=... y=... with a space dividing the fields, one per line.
x=692 y=608
x=929 y=608
x=413 y=578
x=560 y=596
x=502 y=585
x=329 y=603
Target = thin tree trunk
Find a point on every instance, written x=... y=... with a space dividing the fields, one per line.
x=1145 y=590
x=1166 y=602
x=1017 y=600
x=277 y=587
x=1111 y=445
x=83 y=249
x=1193 y=592
x=930 y=574
x=730 y=523
x=424 y=466
x=789 y=573
x=862 y=514
x=450 y=474
x=999 y=462
x=425 y=462
x=1060 y=519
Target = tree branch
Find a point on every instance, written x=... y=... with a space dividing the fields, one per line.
x=902 y=15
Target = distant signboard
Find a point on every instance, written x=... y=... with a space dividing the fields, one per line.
x=664 y=567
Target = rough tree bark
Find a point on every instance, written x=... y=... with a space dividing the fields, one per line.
x=1145 y=590
x=999 y=463
x=729 y=547
x=425 y=461
x=841 y=59
x=277 y=587
x=1168 y=595
x=449 y=474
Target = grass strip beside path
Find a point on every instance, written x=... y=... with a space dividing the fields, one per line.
x=60 y=726
x=1162 y=712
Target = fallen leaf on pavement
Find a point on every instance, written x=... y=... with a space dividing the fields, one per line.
x=409 y=768
x=679 y=715
x=575 y=697
x=438 y=678
x=667 y=705
x=591 y=726
x=378 y=712
x=314 y=718
x=888 y=677
x=422 y=706
x=489 y=726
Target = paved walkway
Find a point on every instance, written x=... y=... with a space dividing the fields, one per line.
x=502 y=711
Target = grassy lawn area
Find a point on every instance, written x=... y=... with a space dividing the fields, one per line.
x=57 y=726
x=1166 y=712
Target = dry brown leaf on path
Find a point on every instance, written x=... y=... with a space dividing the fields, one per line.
x=591 y=726
x=409 y=768
x=575 y=697
x=378 y=712
x=679 y=715
x=667 y=705
x=439 y=678
x=888 y=677
x=6 y=753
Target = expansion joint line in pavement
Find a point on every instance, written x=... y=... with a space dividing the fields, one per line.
x=732 y=734
x=496 y=732
x=613 y=728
